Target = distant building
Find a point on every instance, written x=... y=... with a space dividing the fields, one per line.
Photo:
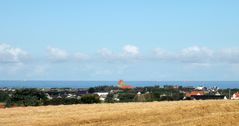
x=71 y=96
x=235 y=96
x=102 y=95
x=123 y=85
x=200 y=95
x=48 y=96
x=81 y=92
x=217 y=93
x=193 y=93
x=201 y=88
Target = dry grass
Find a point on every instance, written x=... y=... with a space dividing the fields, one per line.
x=182 y=113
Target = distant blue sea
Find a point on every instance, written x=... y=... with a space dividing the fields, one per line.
x=87 y=84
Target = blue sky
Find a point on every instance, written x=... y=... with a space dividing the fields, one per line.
x=111 y=40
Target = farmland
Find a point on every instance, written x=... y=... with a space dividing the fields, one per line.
x=183 y=113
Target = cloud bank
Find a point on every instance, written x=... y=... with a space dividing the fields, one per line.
x=128 y=52
x=193 y=54
x=9 y=54
x=57 y=63
x=57 y=54
x=197 y=55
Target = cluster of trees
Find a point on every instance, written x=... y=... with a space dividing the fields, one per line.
x=104 y=88
x=26 y=97
x=34 y=97
x=4 y=96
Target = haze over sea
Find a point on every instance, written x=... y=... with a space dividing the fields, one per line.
x=87 y=84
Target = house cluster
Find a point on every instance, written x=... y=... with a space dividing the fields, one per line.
x=7 y=89
x=203 y=93
x=102 y=95
x=190 y=93
x=197 y=93
x=71 y=93
x=65 y=93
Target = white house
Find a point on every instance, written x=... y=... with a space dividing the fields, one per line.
x=102 y=95
x=200 y=88
x=235 y=96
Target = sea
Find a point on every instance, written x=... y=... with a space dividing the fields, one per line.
x=87 y=84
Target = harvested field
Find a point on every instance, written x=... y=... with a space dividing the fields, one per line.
x=178 y=113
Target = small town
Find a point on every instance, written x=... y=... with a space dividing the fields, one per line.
x=19 y=97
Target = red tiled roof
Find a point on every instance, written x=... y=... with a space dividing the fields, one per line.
x=189 y=94
x=237 y=94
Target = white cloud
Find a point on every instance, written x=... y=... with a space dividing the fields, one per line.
x=56 y=54
x=61 y=55
x=9 y=54
x=196 y=54
x=130 y=51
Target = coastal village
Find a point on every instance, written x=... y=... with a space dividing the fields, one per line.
x=127 y=93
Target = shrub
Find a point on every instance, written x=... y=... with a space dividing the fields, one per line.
x=3 y=96
x=126 y=97
x=90 y=98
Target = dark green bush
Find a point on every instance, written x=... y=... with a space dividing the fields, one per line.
x=26 y=97
x=3 y=96
x=90 y=98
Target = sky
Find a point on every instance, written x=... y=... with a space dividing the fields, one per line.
x=134 y=40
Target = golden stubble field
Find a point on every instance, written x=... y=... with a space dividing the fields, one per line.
x=178 y=113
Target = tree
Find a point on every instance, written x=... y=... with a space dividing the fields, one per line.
x=27 y=97
x=31 y=101
x=156 y=96
x=126 y=97
x=91 y=90
x=3 y=96
x=110 y=98
x=9 y=103
x=90 y=98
